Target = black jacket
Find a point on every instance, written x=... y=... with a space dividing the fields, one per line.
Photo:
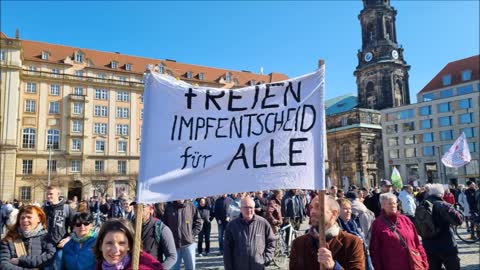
x=59 y=220
x=40 y=253
x=220 y=209
x=184 y=221
x=470 y=193
x=444 y=215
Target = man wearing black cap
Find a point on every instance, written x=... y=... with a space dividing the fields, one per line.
x=373 y=203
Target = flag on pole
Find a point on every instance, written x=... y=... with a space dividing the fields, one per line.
x=458 y=155
x=396 y=178
x=204 y=141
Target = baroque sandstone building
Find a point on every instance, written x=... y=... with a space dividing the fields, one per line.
x=73 y=116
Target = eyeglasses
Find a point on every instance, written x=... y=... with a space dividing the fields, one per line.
x=82 y=223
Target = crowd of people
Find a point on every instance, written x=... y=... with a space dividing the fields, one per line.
x=382 y=228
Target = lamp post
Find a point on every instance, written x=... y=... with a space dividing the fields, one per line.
x=49 y=163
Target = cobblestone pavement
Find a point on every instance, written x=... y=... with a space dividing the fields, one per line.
x=469 y=253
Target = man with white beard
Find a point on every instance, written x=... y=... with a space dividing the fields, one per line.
x=345 y=251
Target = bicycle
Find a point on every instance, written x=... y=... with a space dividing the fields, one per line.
x=282 y=247
x=475 y=219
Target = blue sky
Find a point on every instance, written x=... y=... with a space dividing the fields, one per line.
x=281 y=36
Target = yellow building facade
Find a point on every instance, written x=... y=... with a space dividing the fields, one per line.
x=73 y=117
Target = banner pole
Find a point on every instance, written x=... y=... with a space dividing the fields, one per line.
x=321 y=193
x=138 y=235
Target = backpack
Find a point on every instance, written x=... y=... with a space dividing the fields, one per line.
x=424 y=222
x=158 y=231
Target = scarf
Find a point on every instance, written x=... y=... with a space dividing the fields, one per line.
x=331 y=232
x=33 y=233
x=89 y=235
x=118 y=266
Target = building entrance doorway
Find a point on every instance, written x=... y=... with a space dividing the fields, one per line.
x=75 y=189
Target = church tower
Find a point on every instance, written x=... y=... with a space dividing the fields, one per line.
x=382 y=73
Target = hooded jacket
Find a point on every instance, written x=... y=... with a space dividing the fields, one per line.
x=184 y=221
x=59 y=219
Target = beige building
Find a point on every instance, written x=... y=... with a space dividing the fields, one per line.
x=416 y=136
x=72 y=116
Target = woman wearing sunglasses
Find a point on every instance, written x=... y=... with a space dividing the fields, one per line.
x=25 y=246
x=77 y=253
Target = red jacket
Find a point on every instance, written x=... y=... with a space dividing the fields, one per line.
x=147 y=262
x=386 y=250
x=448 y=197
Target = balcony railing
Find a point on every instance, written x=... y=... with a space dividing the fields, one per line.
x=64 y=76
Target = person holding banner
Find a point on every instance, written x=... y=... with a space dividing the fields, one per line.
x=114 y=247
x=343 y=251
x=249 y=240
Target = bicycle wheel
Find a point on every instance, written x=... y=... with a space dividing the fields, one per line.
x=280 y=258
x=464 y=236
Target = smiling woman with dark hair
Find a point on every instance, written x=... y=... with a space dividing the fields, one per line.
x=77 y=253
x=25 y=246
x=114 y=246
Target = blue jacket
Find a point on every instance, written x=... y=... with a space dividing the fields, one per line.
x=79 y=258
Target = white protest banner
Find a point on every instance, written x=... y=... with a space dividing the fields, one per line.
x=200 y=141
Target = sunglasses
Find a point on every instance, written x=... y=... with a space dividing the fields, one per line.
x=83 y=223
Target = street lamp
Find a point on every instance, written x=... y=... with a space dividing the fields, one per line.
x=49 y=167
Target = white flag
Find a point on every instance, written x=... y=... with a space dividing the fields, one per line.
x=201 y=141
x=459 y=154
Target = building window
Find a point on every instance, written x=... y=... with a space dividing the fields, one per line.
x=410 y=152
x=76 y=126
x=161 y=68
x=53 y=139
x=466 y=118
x=189 y=75
x=100 y=146
x=100 y=128
x=27 y=166
x=141 y=114
x=76 y=144
x=406 y=114
x=122 y=167
x=393 y=141
x=44 y=55
x=101 y=76
x=447 y=80
x=410 y=139
x=253 y=82
x=114 y=64
x=465 y=103
x=425 y=110
x=79 y=57
x=31 y=88
x=446 y=135
x=29 y=138
x=122 y=146
x=469 y=132
x=52 y=165
x=123 y=96
x=77 y=108
x=141 y=98
x=99 y=166
x=25 y=193
x=55 y=72
x=32 y=68
x=228 y=77
x=467 y=89
x=30 y=106
x=79 y=73
x=446 y=93
x=55 y=89
x=54 y=107
x=466 y=75
x=122 y=112
x=394 y=153
x=408 y=126
x=445 y=121
x=75 y=166
x=426 y=123
x=100 y=111
x=444 y=107
x=473 y=147
x=344 y=121
x=128 y=67
x=392 y=129
x=445 y=148
x=428 y=137
x=78 y=91
x=429 y=97
x=428 y=150
x=122 y=129
x=101 y=94
x=3 y=55
x=201 y=76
